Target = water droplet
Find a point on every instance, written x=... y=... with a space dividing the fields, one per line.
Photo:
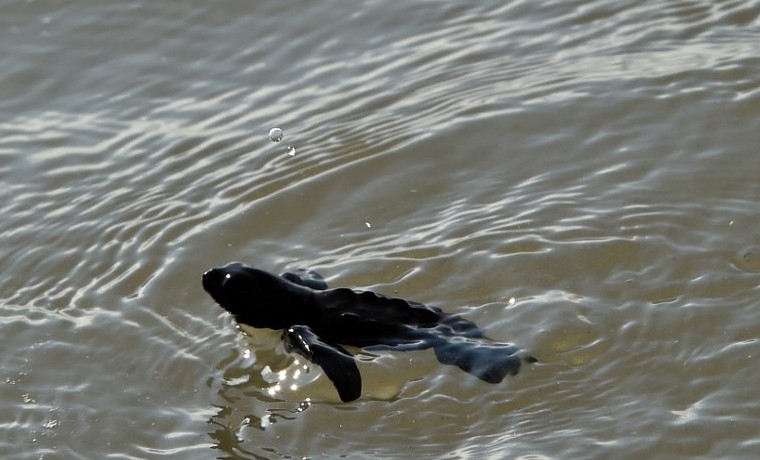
x=275 y=135
x=50 y=424
x=291 y=151
x=368 y=224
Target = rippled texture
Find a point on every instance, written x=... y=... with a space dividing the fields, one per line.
x=580 y=177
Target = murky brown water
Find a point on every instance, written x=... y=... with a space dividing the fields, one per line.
x=581 y=178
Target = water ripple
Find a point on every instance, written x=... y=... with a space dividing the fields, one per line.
x=578 y=177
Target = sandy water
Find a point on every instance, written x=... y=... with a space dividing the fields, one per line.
x=580 y=178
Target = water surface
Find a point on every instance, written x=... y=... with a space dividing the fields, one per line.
x=581 y=178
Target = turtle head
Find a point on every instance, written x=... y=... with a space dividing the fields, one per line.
x=253 y=296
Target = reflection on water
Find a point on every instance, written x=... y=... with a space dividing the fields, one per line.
x=593 y=161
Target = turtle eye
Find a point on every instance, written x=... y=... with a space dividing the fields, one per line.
x=231 y=281
x=237 y=284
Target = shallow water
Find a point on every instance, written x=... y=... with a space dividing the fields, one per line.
x=581 y=178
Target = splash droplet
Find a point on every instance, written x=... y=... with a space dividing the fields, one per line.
x=275 y=135
x=291 y=151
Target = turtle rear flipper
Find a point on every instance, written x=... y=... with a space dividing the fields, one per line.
x=490 y=362
x=334 y=360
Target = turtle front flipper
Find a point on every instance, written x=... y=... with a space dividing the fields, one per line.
x=334 y=360
x=304 y=277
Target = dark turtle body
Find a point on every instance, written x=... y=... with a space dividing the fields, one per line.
x=318 y=321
